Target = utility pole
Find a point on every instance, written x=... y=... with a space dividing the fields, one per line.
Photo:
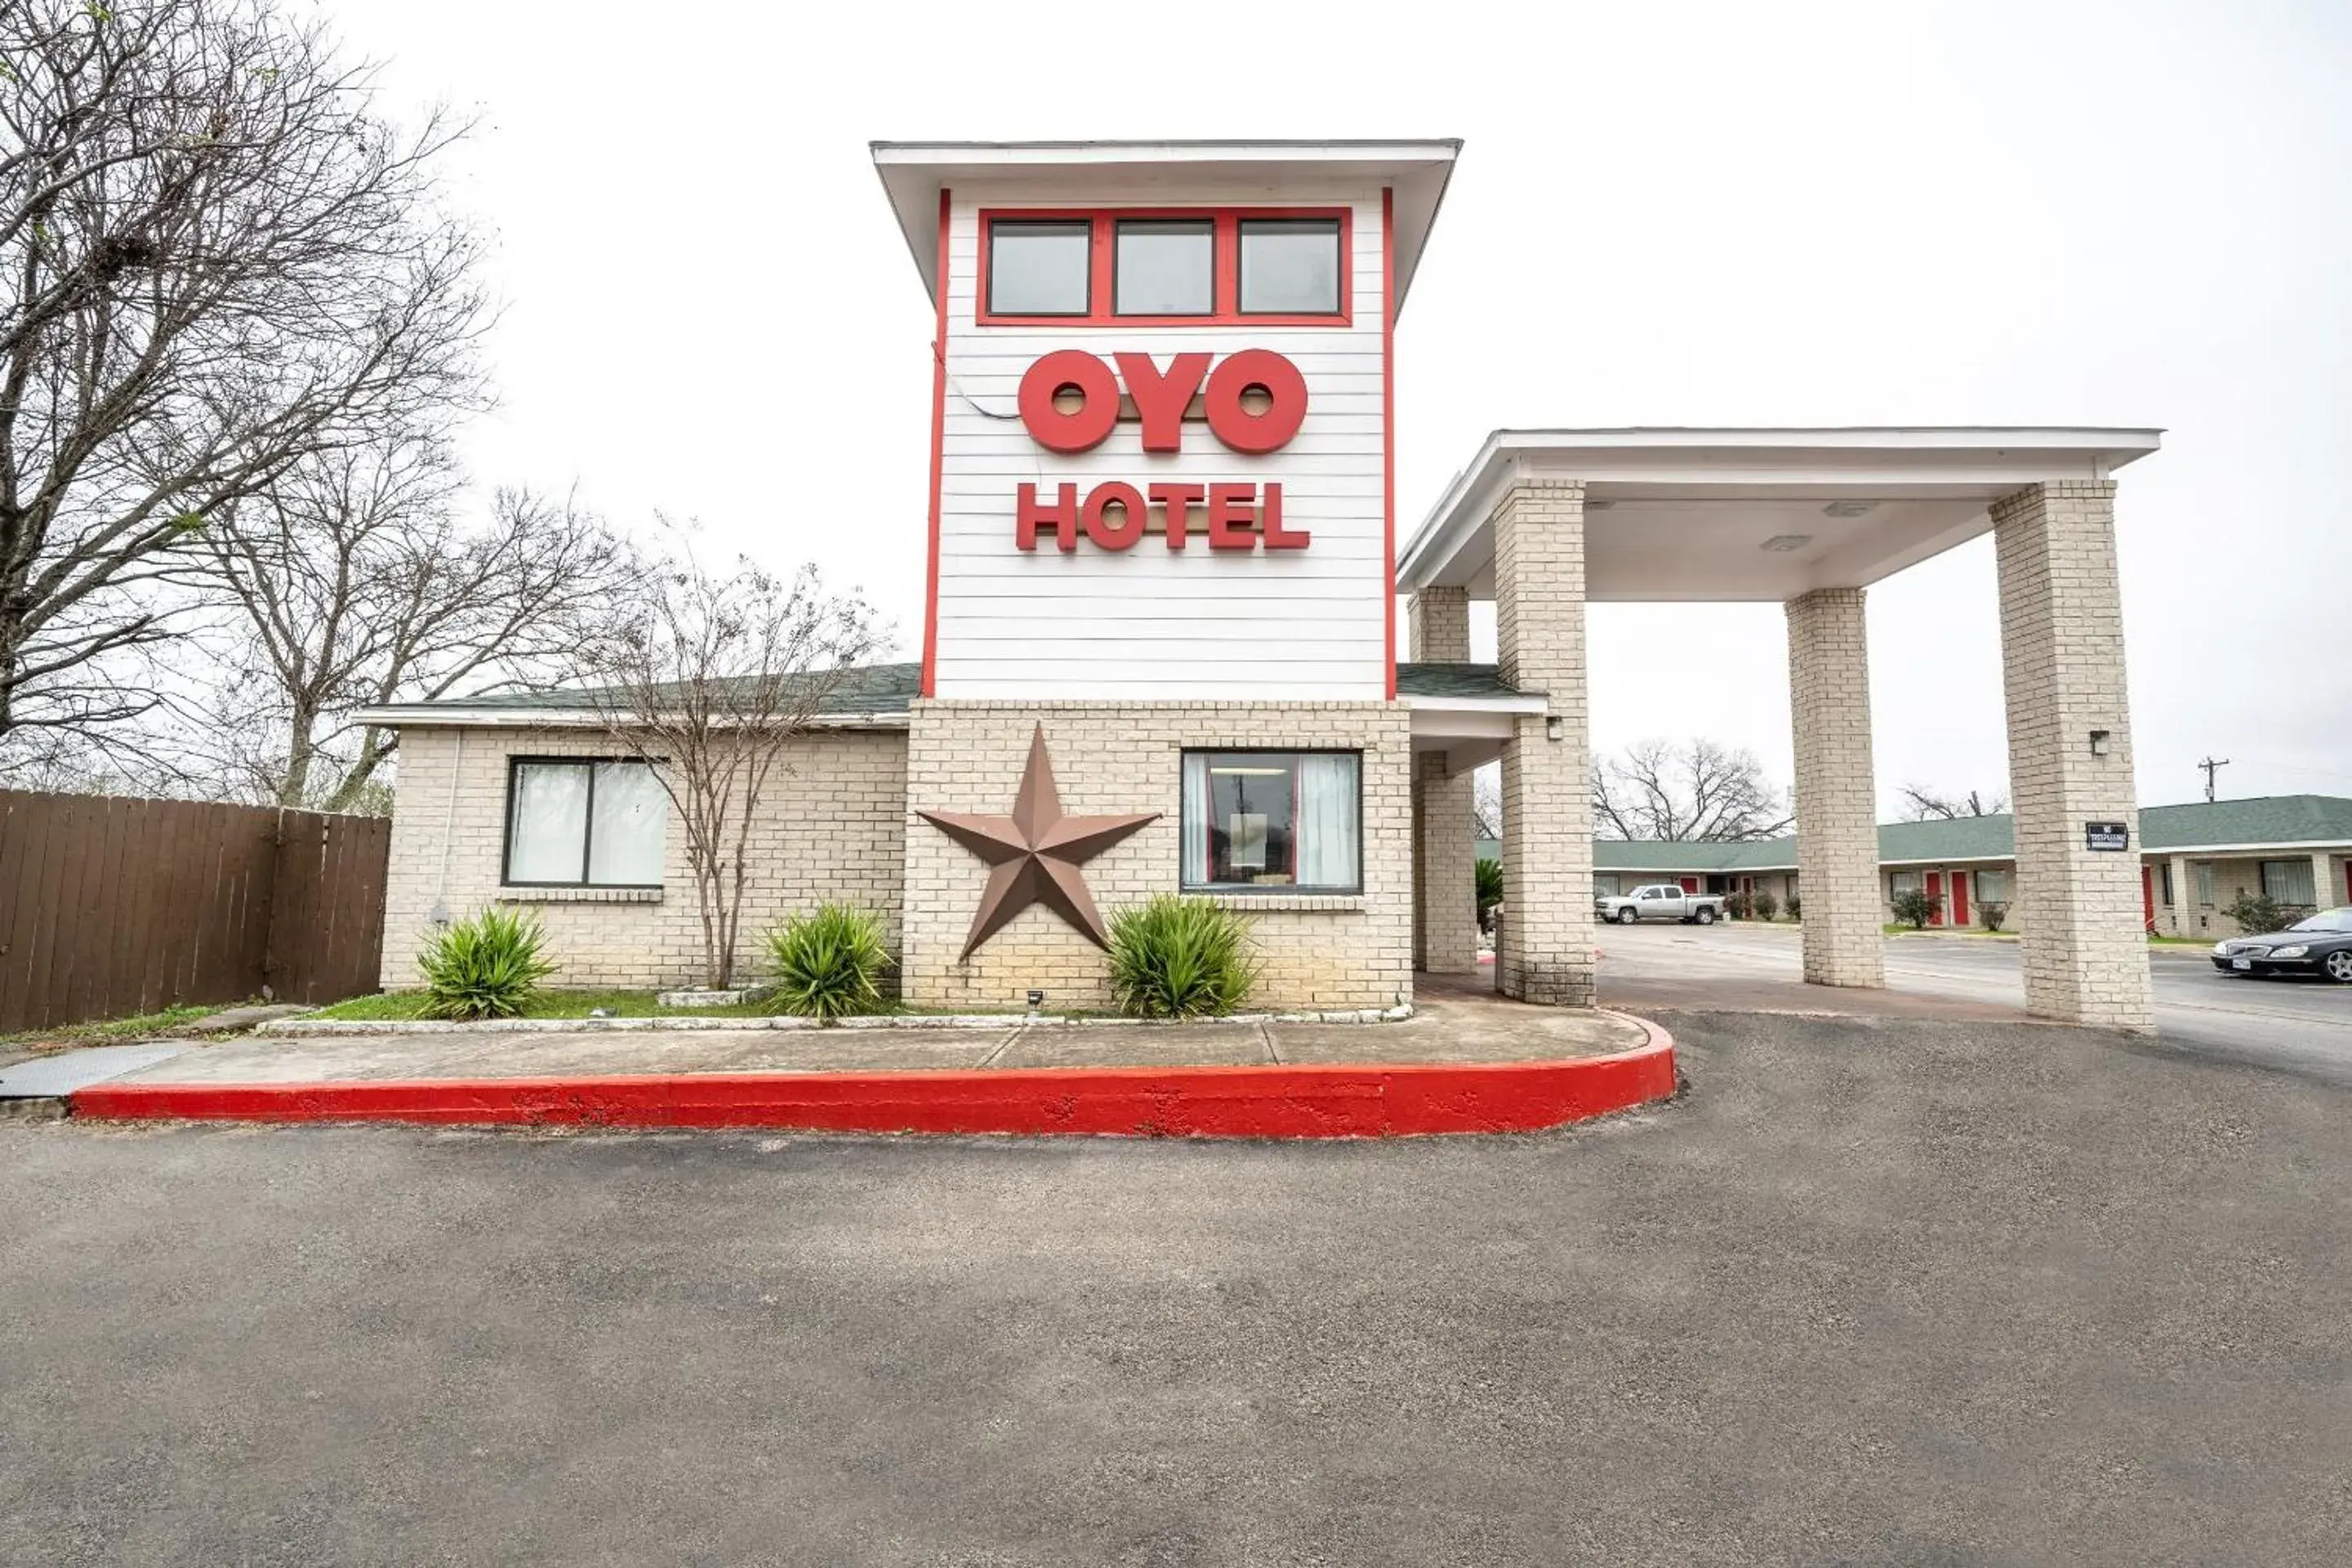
x=2211 y=766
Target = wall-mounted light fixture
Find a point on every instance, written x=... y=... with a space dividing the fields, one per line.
x=2098 y=742
x=1552 y=728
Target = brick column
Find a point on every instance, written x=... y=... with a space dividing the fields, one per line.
x=1445 y=904
x=1546 y=949
x=1439 y=627
x=2184 y=899
x=2062 y=643
x=1446 y=913
x=2324 y=885
x=1836 y=789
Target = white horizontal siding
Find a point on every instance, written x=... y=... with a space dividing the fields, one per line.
x=1150 y=622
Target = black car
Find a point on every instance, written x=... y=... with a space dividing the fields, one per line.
x=2320 y=945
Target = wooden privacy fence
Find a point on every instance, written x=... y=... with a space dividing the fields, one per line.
x=112 y=907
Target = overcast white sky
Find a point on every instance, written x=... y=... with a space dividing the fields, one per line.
x=2127 y=214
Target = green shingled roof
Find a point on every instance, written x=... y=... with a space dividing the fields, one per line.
x=1761 y=855
x=2198 y=826
x=869 y=688
x=889 y=687
x=2270 y=819
x=1454 y=680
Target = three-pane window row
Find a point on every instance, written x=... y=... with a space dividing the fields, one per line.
x=1163 y=267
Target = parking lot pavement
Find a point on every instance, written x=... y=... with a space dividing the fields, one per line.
x=1889 y=1292
x=2299 y=1027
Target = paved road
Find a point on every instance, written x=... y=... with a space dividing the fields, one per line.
x=1935 y=1293
x=2300 y=1027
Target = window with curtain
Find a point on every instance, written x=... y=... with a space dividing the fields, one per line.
x=2288 y=883
x=2204 y=870
x=584 y=822
x=1993 y=887
x=1273 y=820
x=1901 y=882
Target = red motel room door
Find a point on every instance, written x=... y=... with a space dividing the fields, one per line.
x=1936 y=896
x=1960 y=898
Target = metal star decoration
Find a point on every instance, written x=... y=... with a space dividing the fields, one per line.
x=1034 y=854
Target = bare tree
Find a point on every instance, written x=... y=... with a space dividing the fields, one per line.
x=709 y=679
x=1487 y=801
x=1660 y=792
x=354 y=584
x=217 y=259
x=1924 y=805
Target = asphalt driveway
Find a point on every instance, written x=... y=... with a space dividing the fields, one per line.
x=2296 y=1026
x=1873 y=1293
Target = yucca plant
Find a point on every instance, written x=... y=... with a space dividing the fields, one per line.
x=1180 y=958
x=1490 y=879
x=829 y=962
x=487 y=966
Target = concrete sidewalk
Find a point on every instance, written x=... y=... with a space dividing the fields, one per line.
x=1451 y=1027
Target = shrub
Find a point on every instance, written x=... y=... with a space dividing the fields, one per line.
x=1738 y=906
x=1765 y=905
x=487 y=966
x=1915 y=909
x=1796 y=906
x=829 y=962
x=1180 y=958
x=2256 y=914
x=1490 y=891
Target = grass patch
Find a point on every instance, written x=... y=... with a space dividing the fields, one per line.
x=549 y=1004
x=101 y=1031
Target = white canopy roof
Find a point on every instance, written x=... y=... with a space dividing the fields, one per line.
x=1689 y=515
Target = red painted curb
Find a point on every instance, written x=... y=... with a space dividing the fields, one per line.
x=1298 y=1101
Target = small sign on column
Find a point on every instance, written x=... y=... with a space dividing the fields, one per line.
x=2107 y=836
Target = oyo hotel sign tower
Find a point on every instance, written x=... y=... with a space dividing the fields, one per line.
x=1163 y=535
x=1161 y=424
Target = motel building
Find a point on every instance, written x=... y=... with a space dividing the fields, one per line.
x=1161 y=650
x=2194 y=860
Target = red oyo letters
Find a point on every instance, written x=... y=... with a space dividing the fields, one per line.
x=1115 y=514
x=1160 y=399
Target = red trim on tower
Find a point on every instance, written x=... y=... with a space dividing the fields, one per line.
x=939 y=462
x=1388 y=430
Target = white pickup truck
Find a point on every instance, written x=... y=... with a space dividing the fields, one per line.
x=1659 y=901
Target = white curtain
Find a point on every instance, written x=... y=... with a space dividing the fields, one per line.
x=1327 y=807
x=547 y=827
x=624 y=840
x=1195 y=824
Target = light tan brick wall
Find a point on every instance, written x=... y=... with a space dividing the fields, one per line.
x=1836 y=792
x=1439 y=627
x=1974 y=871
x=1446 y=933
x=1328 y=951
x=834 y=827
x=1547 y=950
x=2063 y=667
x=2235 y=876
